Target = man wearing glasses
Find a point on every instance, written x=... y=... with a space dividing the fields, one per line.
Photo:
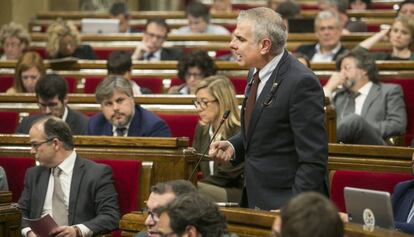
x=161 y=195
x=79 y=194
x=150 y=49
x=51 y=93
x=191 y=215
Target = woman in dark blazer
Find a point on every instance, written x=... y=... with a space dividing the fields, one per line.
x=215 y=95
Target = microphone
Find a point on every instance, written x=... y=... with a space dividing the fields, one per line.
x=225 y=116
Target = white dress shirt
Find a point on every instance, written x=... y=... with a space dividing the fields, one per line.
x=65 y=179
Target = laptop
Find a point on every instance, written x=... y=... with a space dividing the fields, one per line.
x=369 y=207
x=99 y=26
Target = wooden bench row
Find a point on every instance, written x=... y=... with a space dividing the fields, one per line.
x=36 y=25
x=250 y=223
x=178 y=111
x=143 y=15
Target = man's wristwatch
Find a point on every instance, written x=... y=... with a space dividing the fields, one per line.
x=78 y=231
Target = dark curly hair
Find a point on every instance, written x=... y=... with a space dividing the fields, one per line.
x=198 y=59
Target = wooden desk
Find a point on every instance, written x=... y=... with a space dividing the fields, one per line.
x=171 y=158
x=249 y=223
x=10 y=217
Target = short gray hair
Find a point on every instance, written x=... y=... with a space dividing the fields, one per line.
x=323 y=15
x=106 y=88
x=266 y=23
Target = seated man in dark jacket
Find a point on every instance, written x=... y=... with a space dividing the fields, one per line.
x=120 y=116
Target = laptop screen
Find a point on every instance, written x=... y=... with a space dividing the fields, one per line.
x=369 y=207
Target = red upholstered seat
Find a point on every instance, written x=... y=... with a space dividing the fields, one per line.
x=6 y=81
x=72 y=81
x=181 y=125
x=239 y=84
x=91 y=83
x=15 y=168
x=152 y=83
x=126 y=175
x=362 y=179
x=9 y=121
x=407 y=85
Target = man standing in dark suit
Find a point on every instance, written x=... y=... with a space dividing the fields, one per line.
x=120 y=116
x=52 y=97
x=150 y=49
x=78 y=193
x=328 y=30
x=282 y=141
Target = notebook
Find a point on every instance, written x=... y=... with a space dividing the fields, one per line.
x=369 y=207
x=92 y=25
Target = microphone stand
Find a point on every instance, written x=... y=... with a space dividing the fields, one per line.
x=225 y=116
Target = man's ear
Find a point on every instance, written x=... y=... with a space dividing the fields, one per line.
x=65 y=100
x=190 y=231
x=265 y=46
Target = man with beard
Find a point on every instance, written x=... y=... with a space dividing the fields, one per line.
x=367 y=111
x=120 y=116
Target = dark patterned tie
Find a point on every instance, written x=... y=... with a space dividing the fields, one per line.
x=120 y=132
x=149 y=56
x=59 y=210
x=251 y=101
x=350 y=105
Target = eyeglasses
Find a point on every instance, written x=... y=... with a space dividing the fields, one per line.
x=157 y=37
x=51 y=105
x=202 y=104
x=150 y=213
x=36 y=145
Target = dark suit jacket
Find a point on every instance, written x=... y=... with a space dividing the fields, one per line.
x=309 y=50
x=77 y=122
x=383 y=109
x=82 y=52
x=225 y=175
x=143 y=124
x=287 y=150
x=93 y=199
x=402 y=201
x=171 y=54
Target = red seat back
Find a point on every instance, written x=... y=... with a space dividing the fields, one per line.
x=91 y=83
x=72 y=81
x=362 y=179
x=15 y=168
x=9 y=121
x=181 y=125
x=239 y=84
x=126 y=174
x=6 y=81
x=152 y=83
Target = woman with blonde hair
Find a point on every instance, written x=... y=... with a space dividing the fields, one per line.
x=15 y=40
x=214 y=96
x=401 y=37
x=28 y=71
x=64 y=41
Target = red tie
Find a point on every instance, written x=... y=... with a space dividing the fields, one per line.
x=250 y=101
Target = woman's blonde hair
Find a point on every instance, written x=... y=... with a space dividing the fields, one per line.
x=407 y=22
x=221 y=88
x=15 y=30
x=56 y=31
x=27 y=61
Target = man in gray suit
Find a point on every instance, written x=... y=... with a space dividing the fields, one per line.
x=367 y=111
x=78 y=193
x=52 y=97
